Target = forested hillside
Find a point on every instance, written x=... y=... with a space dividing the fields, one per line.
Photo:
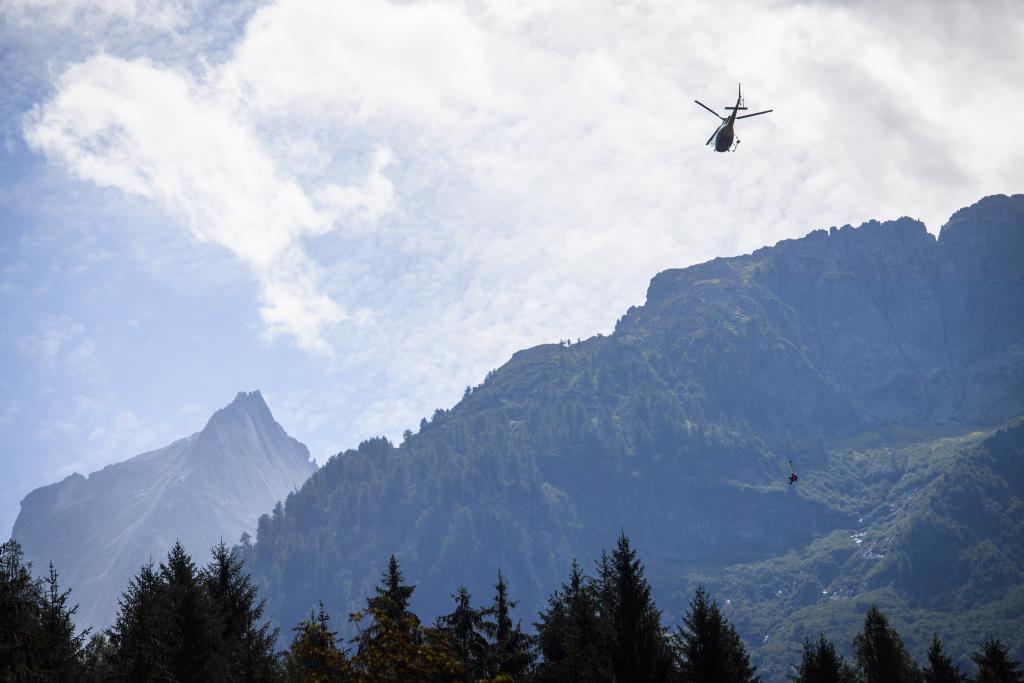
x=869 y=356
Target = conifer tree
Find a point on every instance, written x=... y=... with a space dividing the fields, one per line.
x=314 y=655
x=20 y=597
x=820 y=663
x=637 y=647
x=995 y=665
x=60 y=647
x=511 y=650
x=135 y=638
x=38 y=639
x=390 y=651
x=940 y=667
x=708 y=648
x=393 y=597
x=569 y=634
x=881 y=654
x=98 y=660
x=395 y=646
x=466 y=629
x=185 y=617
x=244 y=647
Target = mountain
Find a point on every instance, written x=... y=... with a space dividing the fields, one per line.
x=937 y=543
x=98 y=530
x=888 y=364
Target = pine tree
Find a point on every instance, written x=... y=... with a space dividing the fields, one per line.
x=940 y=667
x=244 y=647
x=880 y=652
x=569 y=634
x=314 y=656
x=20 y=597
x=38 y=639
x=60 y=647
x=390 y=651
x=185 y=618
x=466 y=628
x=395 y=646
x=393 y=598
x=135 y=638
x=637 y=647
x=98 y=660
x=511 y=650
x=995 y=665
x=708 y=647
x=821 y=663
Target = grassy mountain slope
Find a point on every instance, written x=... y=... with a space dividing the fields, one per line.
x=938 y=542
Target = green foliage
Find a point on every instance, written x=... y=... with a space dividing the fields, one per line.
x=314 y=656
x=61 y=646
x=466 y=629
x=38 y=640
x=995 y=665
x=183 y=623
x=821 y=663
x=940 y=668
x=709 y=648
x=246 y=650
x=393 y=597
x=636 y=644
x=510 y=651
x=605 y=628
x=571 y=634
x=880 y=653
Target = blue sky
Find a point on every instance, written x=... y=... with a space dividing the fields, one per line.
x=361 y=207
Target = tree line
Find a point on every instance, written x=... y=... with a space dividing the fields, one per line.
x=177 y=621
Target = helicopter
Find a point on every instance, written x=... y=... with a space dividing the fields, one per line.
x=724 y=134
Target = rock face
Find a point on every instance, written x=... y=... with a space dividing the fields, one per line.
x=849 y=329
x=206 y=487
x=677 y=428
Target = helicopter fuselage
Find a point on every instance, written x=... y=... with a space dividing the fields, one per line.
x=723 y=140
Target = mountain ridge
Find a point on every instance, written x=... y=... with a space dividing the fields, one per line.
x=98 y=530
x=678 y=426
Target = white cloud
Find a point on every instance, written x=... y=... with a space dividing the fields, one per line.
x=153 y=132
x=472 y=178
x=363 y=60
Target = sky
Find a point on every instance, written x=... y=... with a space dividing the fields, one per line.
x=360 y=207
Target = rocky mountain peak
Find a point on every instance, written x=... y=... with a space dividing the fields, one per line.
x=247 y=407
x=987 y=234
x=212 y=485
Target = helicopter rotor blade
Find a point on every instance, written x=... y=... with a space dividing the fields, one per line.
x=712 y=136
x=747 y=116
x=708 y=108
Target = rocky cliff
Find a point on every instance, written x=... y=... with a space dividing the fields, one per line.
x=98 y=530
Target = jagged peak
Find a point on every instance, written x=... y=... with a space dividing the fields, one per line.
x=980 y=217
x=247 y=405
x=900 y=232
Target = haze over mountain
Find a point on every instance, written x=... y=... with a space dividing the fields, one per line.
x=879 y=358
x=212 y=485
